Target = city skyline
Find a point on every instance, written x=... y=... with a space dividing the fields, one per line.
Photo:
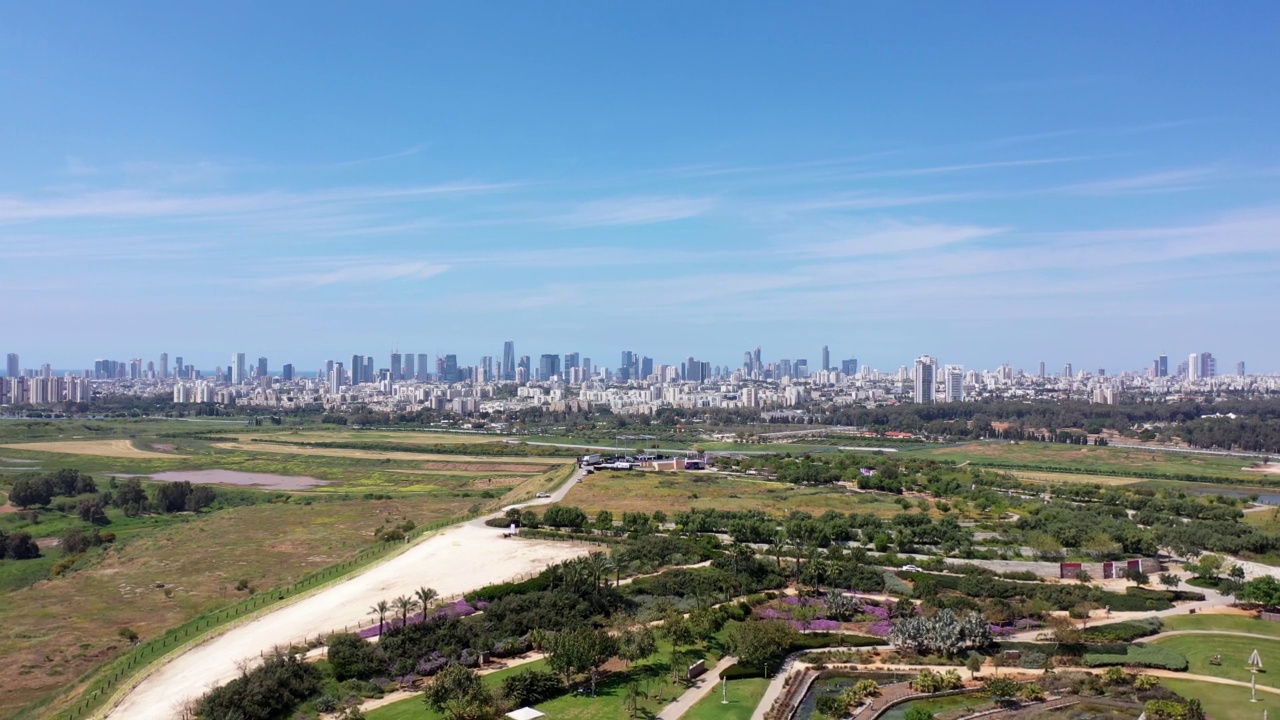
x=1002 y=183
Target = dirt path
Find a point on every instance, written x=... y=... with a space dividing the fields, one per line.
x=457 y=560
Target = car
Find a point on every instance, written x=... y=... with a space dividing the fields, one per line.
x=913 y=568
x=544 y=495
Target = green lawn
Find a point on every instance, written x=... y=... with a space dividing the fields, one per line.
x=1235 y=653
x=1083 y=459
x=1224 y=702
x=1228 y=623
x=744 y=696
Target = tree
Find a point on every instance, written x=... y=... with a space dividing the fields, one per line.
x=76 y=541
x=1263 y=590
x=918 y=713
x=91 y=510
x=351 y=657
x=425 y=597
x=458 y=693
x=604 y=521
x=580 y=650
x=1083 y=576
x=973 y=664
x=21 y=546
x=760 y=643
x=201 y=497
x=31 y=492
x=1169 y=580
x=405 y=605
x=381 y=610
x=631 y=700
x=636 y=644
x=1137 y=576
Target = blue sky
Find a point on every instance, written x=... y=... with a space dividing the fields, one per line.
x=1095 y=183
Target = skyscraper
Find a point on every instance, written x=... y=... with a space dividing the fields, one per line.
x=409 y=373
x=13 y=368
x=1163 y=366
x=1041 y=368
x=164 y=366
x=335 y=379
x=1208 y=365
x=396 y=366
x=523 y=364
x=262 y=367
x=646 y=367
x=926 y=368
x=451 y=368
x=849 y=367
x=1240 y=368
x=953 y=377
x=1066 y=370
x=357 y=369
x=509 y=360
x=424 y=366
x=826 y=358
x=548 y=367
x=571 y=361
x=286 y=373
x=237 y=368
x=1193 y=367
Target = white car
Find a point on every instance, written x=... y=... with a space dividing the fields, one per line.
x=543 y=495
x=912 y=568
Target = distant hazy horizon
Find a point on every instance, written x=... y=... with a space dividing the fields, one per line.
x=984 y=182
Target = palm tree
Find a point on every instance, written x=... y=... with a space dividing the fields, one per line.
x=405 y=605
x=426 y=597
x=599 y=566
x=381 y=610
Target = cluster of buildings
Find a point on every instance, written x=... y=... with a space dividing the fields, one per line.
x=570 y=382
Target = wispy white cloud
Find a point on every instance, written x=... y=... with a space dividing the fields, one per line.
x=367 y=272
x=1155 y=182
x=380 y=158
x=895 y=237
x=639 y=210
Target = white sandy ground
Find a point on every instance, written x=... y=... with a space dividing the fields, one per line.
x=457 y=560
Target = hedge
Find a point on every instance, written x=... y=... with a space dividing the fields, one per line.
x=1151 y=656
x=1124 y=632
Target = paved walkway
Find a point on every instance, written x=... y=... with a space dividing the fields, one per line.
x=701 y=688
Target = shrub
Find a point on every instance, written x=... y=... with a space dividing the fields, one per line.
x=1152 y=656
x=1124 y=632
x=1032 y=660
x=530 y=687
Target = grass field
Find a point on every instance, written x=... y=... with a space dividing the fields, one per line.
x=1218 y=621
x=622 y=491
x=101 y=448
x=1102 y=460
x=1235 y=653
x=744 y=695
x=56 y=630
x=384 y=454
x=1224 y=702
x=1057 y=478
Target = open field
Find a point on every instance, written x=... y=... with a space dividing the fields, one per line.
x=1222 y=621
x=101 y=448
x=372 y=436
x=1225 y=702
x=1053 y=477
x=387 y=454
x=57 y=629
x=1235 y=653
x=636 y=491
x=1058 y=457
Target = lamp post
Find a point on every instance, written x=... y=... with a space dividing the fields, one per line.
x=724 y=691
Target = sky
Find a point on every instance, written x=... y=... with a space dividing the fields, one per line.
x=1095 y=182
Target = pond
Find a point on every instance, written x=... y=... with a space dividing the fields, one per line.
x=971 y=702
x=835 y=684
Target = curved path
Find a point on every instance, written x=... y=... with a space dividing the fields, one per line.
x=1175 y=633
x=456 y=560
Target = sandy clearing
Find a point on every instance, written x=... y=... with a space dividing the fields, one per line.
x=1073 y=478
x=1268 y=469
x=101 y=448
x=393 y=455
x=457 y=560
x=235 y=477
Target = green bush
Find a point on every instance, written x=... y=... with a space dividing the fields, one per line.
x=1124 y=632
x=1152 y=656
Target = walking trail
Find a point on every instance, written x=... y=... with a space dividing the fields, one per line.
x=701 y=688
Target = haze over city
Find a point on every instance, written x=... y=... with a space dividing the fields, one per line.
x=998 y=184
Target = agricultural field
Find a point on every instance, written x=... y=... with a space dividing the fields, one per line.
x=1079 y=459
x=100 y=448
x=635 y=491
